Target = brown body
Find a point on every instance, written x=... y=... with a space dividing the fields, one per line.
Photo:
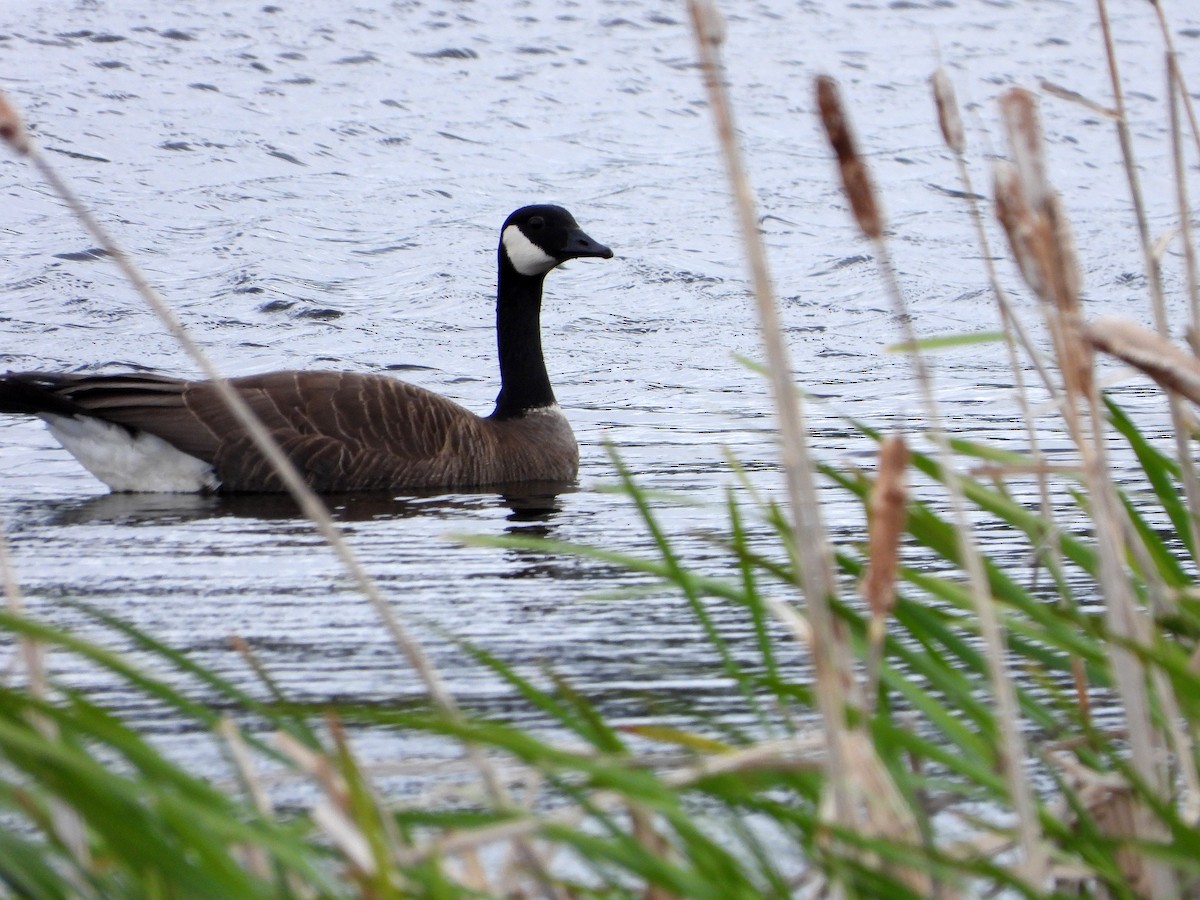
x=345 y=431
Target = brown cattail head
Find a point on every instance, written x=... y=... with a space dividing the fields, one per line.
x=851 y=166
x=1020 y=225
x=12 y=129
x=1031 y=211
x=1018 y=109
x=887 y=508
x=947 y=110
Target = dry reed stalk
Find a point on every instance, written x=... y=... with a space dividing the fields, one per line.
x=1151 y=262
x=1181 y=418
x=1012 y=753
x=1153 y=274
x=342 y=743
x=1111 y=805
x=887 y=510
x=332 y=812
x=1190 y=482
x=1177 y=92
x=1062 y=93
x=886 y=808
x=644 y=832
x=1178 y=371
x=810 y=541
x=33 y=654
x=243 y=649
x=14 y=133
x=12 y=130
x=1039 y=234
x=1014 y=333
x=1177 y=73
x=346 y=836
x=255 y=857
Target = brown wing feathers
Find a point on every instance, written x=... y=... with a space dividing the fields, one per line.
x=345 y=431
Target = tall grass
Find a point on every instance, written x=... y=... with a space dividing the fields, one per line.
x=948 y=743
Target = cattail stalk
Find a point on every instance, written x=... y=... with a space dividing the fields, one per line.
x=1191 y=484
x=1184 y=95
x=1012 y=752
x=1038 y=231
x=1014 y=333
x=811 y=547
x=1181 y=421
x=1150 y=258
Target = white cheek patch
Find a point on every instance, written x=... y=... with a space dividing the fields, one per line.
x=526 y=256
x=130 y=462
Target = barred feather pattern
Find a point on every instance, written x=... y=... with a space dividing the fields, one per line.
x=345 y=431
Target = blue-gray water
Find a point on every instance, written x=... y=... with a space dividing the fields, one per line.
x=321 y=184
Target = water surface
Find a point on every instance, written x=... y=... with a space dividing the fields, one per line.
x=322 y=185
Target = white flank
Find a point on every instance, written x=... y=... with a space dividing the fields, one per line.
x=526 y=256
x=138 y=463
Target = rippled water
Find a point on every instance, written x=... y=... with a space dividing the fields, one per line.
x=320 y=184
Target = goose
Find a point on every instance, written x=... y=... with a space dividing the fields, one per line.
x=345 y=431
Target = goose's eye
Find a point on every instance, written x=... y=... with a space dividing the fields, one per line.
x=536 y=222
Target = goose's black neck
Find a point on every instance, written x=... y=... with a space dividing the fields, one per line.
x=524 y=384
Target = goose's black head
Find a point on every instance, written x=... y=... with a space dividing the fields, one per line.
x=535 y=239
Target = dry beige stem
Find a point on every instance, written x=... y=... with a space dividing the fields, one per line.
x=947 y=110
x=646 y=834
x=315 y=765
x=853 y=170
x=1168 y=364
x=1113 y=809
x=254 y=857
x=1071 y=96
x=345 y=835
x=883 y=811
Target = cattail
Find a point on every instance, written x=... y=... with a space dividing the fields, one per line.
x=1020 y=226
x=887 y=508
x=1018 y=109
x=1172 y=367
x=947 y=111
x=850 y=164
x=12 y=129
x=1031 y=211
